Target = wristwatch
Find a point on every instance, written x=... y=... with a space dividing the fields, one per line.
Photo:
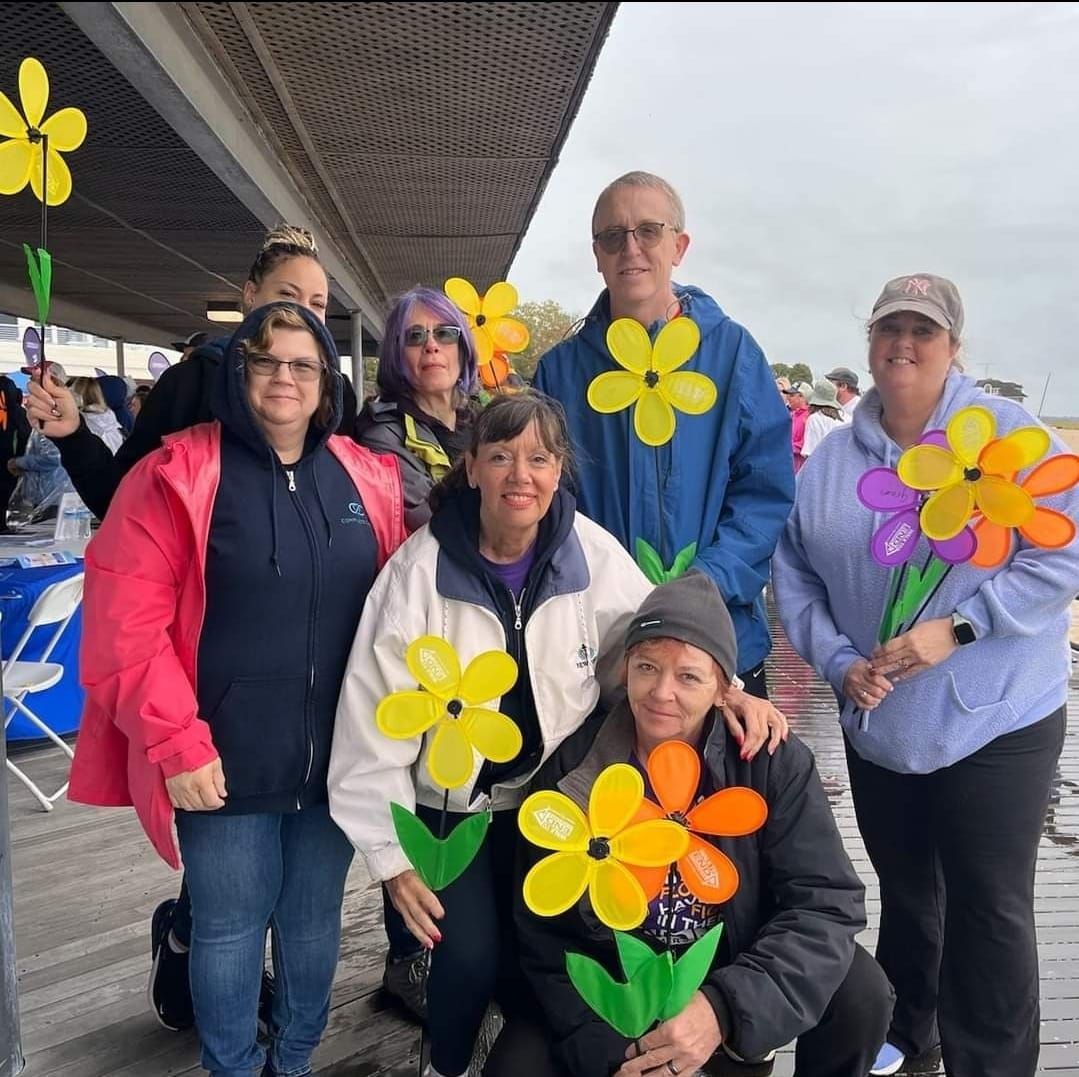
x=962 y=630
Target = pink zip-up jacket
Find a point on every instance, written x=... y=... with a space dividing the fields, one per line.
x=143 y=608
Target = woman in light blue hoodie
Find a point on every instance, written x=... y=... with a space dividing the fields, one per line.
x=951 y=776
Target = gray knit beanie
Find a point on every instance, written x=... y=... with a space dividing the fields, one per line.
x=691 y=609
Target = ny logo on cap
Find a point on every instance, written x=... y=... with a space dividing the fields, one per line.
x=916 y=286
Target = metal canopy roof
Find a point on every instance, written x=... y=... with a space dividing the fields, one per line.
x=415 y=139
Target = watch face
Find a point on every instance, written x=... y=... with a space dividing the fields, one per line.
x=963 y=632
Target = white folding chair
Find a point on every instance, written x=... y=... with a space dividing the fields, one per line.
x=56 y=606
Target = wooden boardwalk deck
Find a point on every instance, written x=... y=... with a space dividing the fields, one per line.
x=86 y=883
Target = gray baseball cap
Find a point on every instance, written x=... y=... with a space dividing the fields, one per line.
x=924 y=293
x=843 y=374
x=802 y=387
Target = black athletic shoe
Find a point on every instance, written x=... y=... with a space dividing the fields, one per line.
x=405 y=980
x=169 y=990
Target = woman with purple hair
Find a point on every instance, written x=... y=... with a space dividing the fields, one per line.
x=422 y=414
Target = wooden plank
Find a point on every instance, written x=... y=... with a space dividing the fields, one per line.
x=86 y=884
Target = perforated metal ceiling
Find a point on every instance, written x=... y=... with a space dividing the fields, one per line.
x=423 y=135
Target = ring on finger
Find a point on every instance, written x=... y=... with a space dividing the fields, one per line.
x=672 y=1067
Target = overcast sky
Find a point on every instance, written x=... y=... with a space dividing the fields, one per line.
x=823 y=148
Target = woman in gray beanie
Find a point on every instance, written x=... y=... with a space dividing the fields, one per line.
x=788 y=966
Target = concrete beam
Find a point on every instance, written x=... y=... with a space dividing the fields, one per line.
x=72 y=315
x=153 y=47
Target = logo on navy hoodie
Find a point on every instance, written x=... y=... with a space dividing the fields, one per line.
x=357 y=515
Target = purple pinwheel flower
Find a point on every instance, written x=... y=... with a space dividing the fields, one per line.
x=895 y=541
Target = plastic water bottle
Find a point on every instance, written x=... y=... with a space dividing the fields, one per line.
x=83 y=518
x=69 y=521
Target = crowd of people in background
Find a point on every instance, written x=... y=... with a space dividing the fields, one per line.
x=268 y=552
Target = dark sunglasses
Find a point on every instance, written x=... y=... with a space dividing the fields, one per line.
x=416 y=335
x=648 y=234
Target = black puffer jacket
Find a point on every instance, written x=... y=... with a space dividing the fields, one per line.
x=426 y=453
x=789 y=930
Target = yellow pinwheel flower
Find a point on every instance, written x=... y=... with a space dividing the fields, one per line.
x=491 y=329
x=975 y=471
x=453 y=703
x=21 y=156
x=592 y=853
x=650 y=377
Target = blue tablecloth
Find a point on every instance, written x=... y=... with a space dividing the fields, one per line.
x=60 y=707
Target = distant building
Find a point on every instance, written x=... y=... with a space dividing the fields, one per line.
x=1012 y=390
x=80 y=354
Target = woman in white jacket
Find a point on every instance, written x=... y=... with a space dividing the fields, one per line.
x=99 y=418
x=506 y=563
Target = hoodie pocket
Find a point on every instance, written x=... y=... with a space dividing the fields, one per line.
x=258 y=729
x=975 y=725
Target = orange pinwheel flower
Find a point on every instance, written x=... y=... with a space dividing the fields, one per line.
x=674 y=770
x=1046 y=528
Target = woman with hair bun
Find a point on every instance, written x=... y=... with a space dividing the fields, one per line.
x=285 y=268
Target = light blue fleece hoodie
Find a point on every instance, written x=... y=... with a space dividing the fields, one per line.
x=830 y=594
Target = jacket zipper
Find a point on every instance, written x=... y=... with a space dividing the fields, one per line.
x=518 y=625
x=316 y=585
x=517 y=604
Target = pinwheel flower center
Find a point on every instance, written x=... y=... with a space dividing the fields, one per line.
x=480 y=319
x=972 y=474
x=599 y=848
x=454 y=708
x=651 y=379
x=679 y=818
x=33 y=134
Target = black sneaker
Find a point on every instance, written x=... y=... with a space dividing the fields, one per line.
x=928 y=1062
x=169 y=990
x=405 y=980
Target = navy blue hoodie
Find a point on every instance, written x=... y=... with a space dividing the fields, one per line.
x=290 y=559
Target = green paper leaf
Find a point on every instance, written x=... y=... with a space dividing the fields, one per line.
x=650 y=563
x=45 y=299
x=682 y=561
x=40 y=270
x=632 y=952
x=917 y=586
x=629 y=1008
x=689 y=972
x=439 y=861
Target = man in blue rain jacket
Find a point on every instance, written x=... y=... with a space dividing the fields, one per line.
x=725 y=481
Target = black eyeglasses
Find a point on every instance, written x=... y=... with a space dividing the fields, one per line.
x=648 y=234
x=266 y=366
x=416 y=335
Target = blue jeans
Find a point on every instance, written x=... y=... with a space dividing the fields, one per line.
x=247 y=873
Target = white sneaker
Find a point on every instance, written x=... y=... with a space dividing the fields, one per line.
x=889 y=1060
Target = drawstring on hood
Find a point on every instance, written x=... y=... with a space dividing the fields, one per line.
x=232 y=408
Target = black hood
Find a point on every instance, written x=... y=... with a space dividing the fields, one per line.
x=230 y=405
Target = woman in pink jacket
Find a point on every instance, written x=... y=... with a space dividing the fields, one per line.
x=223 y=592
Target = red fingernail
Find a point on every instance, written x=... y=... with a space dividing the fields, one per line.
x=438 y=937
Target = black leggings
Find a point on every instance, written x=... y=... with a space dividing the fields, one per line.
x=843 y=1044
x=955 y=853
x=476 y=961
